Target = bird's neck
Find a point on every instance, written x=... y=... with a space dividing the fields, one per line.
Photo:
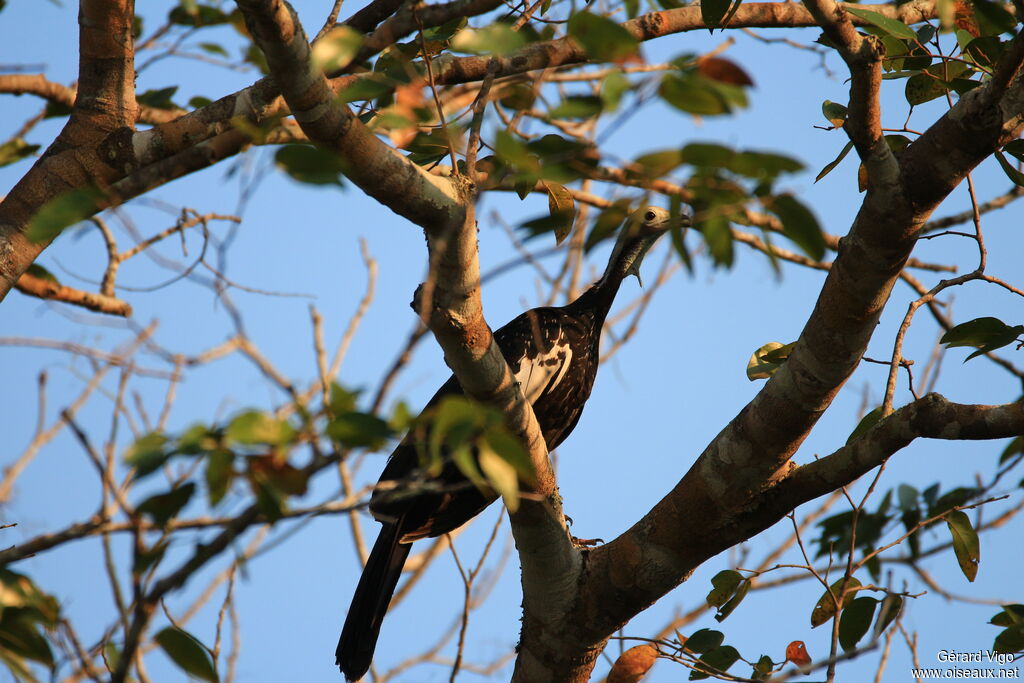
x=599 y=297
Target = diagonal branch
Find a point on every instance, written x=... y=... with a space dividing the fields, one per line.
x=49 y=289
x=371 y=164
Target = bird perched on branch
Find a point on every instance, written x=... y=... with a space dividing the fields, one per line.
x=553 y=354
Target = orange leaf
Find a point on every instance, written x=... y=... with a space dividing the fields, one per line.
x=796 y=652
x=632 y=664
x=963 y=18
x=723 y=71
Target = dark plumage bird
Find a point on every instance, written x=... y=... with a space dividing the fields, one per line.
x=553 y=353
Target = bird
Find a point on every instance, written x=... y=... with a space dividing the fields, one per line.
x=553 y=353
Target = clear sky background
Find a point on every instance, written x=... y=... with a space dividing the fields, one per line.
x=655 y=406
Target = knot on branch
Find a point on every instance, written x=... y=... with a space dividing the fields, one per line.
x=871 y=49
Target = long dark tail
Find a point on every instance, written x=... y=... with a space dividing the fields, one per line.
x=370 y=602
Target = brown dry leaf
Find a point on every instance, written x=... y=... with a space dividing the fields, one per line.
x=632 y=664
x=723 y=71
x=408 y=98
x=796 y=652
x=963 y=18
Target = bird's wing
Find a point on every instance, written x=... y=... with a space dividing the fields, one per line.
x=537 y=351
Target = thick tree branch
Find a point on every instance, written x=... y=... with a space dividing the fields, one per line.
x=93 y=149
x=106 y=67
x=450 y=300
x=931 y=417
x=698 y=518
x=371 y=164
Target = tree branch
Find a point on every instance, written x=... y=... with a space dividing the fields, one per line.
x=106 y=67
x=48 y=289
x=863 y=57
x=375 y=167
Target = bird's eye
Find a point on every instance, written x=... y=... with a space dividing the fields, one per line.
x=650 y=216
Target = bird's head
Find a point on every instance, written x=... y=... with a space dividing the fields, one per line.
x=640 y=231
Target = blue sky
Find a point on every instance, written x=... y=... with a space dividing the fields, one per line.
x=655 y=406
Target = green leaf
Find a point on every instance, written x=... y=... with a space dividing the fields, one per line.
x=497 y=39
x=149 y=557
x=18 y=591
x=369 y=87
x=718 y=236
x=1010 y=615
x=21 y=637
x=562 y=208
x=985 y=50
x=577 y=107
x=163 y=507
x=158 y=99
x=834 y=112
x=733 y=602
x=763 y=668
x=763 y=165
x=1016 y=148
x=704 y=640
x=335 y=51
x=891 y=606
x=218 y=474
x=712 y=12
x=36 y=270
x=767 y=359
x=63 y=212
x=187 y=652
x=799 y=224
x=1012 y=173
x=359 y=430
x=446 y=30
x=501 y=475
x=855 y=622
x=866 y=423
x=308 y=164
x=825 y=608
x=607 y=222
x=985 y=334
x=660 y=163
x=907 y=496
x=15 y=150
x=965 y=543
x=707 y=155
x=933 y=82
x=993 y=18
x=693 y=94
x=613 y=87
x=194 y=14
x=456 y=422
x=197 y=439
x=960 y=495
x=198 y=102
x=147 y=454
x=1013 y=449
x=213 y=49
x=725 y=584
x=714 y=662
x=1010 y=640
x=509 y=449
x=253 y=427
x=601 y=38
x=893 y=27
x=835 y=162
